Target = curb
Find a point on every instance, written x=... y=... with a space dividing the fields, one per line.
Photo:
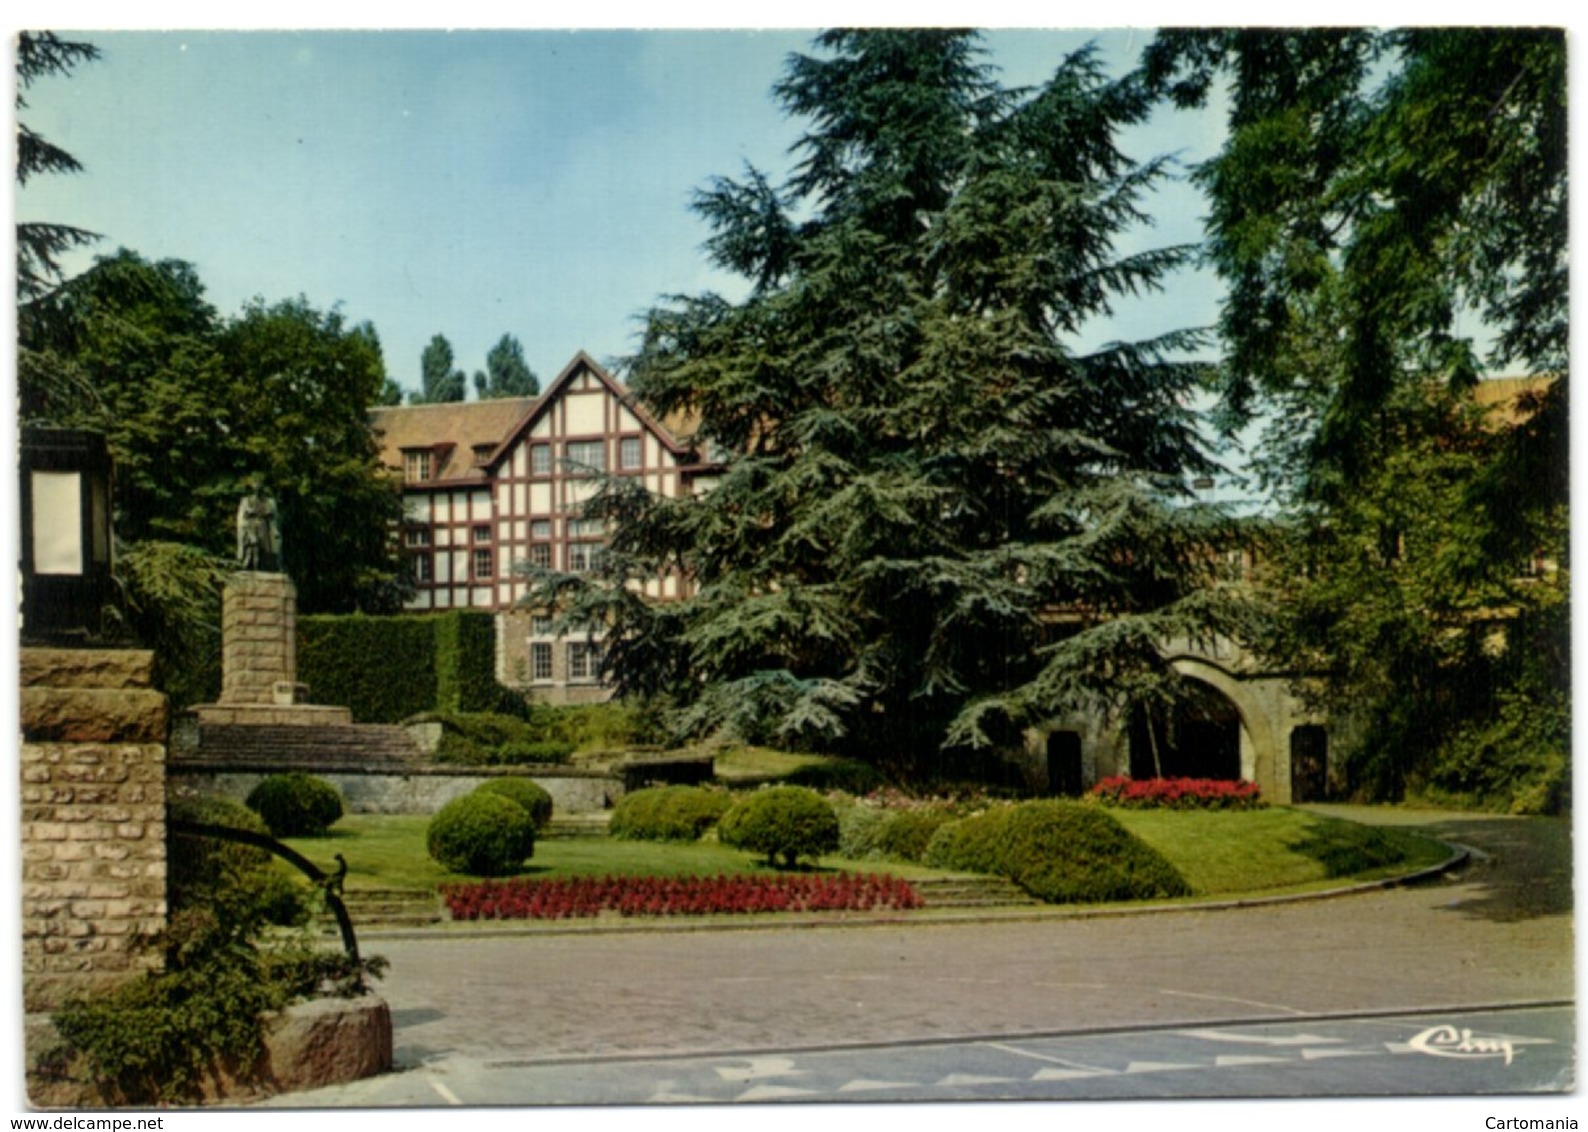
x=1460 y=854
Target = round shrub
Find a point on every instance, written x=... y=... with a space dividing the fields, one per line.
x=859 y=830
x=481 y=834
x=905 y=834
x=296 y=804
x=1060 y=852
x=785 y=821
x=531 y=795
x=668 y=813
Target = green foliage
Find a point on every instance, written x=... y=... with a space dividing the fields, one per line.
x=1060 y=852
x=528 y=794
x=859 y=830
x=40 y=245
x=1345 y=849
x=905 y=834
x=387 y=669
x=157 y=1039
x=197 y=409
x=171 y=601
x=466 y=665
x=1389 y=216
x=506 y=374
x=296 y=804
x=874 y=560
x=481 y=834
x=493 y=739
x=668 y=813
x=439 y=380
x=787 y=822
x=851 y=776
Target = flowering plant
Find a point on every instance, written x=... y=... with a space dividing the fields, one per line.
x=1179 y=793
x=578 y=897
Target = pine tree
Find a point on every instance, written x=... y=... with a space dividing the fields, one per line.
x=937 y=522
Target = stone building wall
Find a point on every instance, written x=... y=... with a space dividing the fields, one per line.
x=93 y=820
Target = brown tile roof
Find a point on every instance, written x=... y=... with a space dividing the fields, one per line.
x=1510 y=399
x=452 y=431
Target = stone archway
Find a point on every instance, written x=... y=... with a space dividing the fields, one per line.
x=1200 y=739
x=1257 y=703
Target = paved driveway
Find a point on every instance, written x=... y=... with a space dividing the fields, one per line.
x=1499 y=932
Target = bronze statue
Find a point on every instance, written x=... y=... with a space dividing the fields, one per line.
x=258 y=533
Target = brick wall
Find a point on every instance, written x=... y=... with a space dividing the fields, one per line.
x=93 y=820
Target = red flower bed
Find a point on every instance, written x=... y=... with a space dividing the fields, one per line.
x=1179 y=793
x=521 y=899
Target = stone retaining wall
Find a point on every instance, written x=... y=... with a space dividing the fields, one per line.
x=420 y=793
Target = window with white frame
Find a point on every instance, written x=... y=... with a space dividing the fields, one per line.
x=584 y=556
x=540 y=626
x=418 y=536
x=422 y=568
x=540 y=555
x=629 y=453
x=540 y=459
x=482 y=564
x=540 y=662
x=482 y=534
x=586 y=528
x=581 y=660
x=586 y=456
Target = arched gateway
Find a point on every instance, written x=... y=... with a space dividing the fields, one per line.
x=1241 y=722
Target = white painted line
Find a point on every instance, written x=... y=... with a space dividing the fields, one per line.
x=863 y=1085
x=773 y=1092
x=446 y=1094
x=955 y=1080
x=1046 y=1057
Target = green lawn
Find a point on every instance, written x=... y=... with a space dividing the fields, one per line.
x=1220 y=853
x=1251 y=852
x=388 y=851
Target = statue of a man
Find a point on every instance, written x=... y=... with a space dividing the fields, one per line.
x=258 y=533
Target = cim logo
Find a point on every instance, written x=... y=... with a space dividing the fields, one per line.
x=1447 y=1041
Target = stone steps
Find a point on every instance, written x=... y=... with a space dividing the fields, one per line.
x=392 y=906
x=356 y=746
x=576 y=825
x=972 y=892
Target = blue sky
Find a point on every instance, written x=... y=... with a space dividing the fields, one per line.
x=471 y=183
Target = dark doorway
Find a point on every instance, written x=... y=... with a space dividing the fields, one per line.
x=1202 y=739
x=1309 y=763
x=1064 y=764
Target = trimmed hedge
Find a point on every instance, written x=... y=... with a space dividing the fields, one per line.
x=668 y=813
x=784 y=821
x=296 y=804
x=481 y=834
x=531 y=795
x=1060 y=852
x=494 y=739
x=388 y=668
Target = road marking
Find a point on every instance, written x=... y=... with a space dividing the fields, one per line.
x=1045 y=1057
x=1260 y=1040
x=957 y=1080
x=446 y=1094
x=1236 y=1060
x=760 y=1067
x=773 y=1092
x=863 y=1085
x=1315 y=1054
x=1070 y=1074
x=1158 y=1067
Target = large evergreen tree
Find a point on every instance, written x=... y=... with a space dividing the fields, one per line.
x=1384 y=203
x=937 y=521
x=41 y=244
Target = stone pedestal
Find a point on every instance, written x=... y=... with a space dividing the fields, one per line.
x=259 y=658
x=259 y=637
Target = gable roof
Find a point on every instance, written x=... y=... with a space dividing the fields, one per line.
x=584 y=363
x=451 y=431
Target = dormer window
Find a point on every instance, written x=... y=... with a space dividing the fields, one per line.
x=482 y=454
x=417 y=465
